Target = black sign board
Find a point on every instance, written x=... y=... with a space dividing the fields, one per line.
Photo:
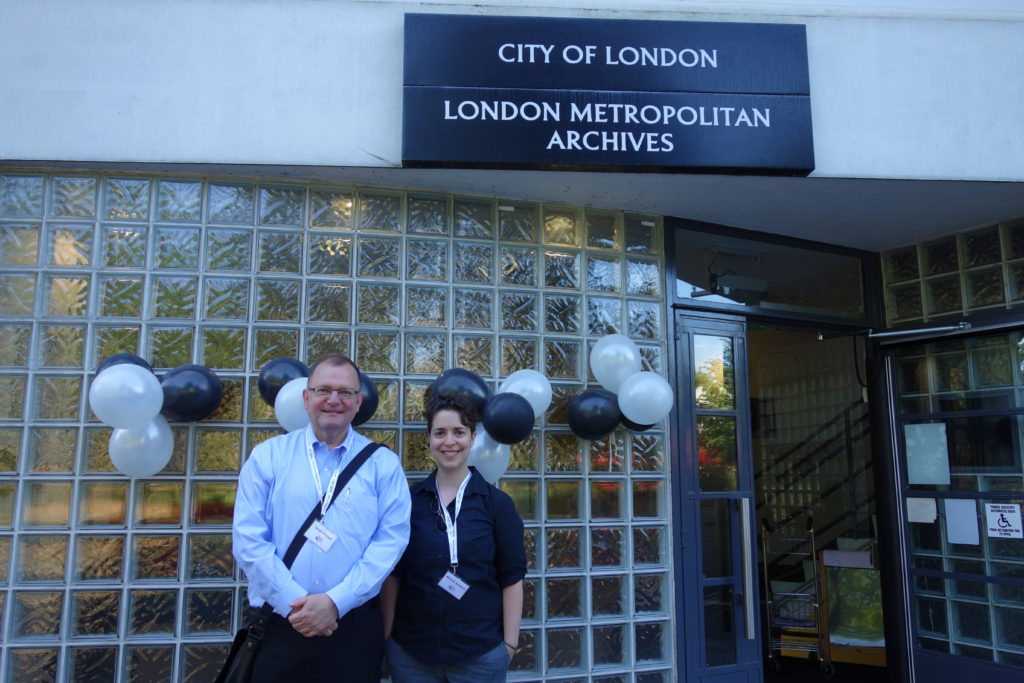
x=606 y=95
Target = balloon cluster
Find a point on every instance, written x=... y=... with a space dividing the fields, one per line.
x=506 y=418
x=281 y=382
x=127 y=396
x=637 y=400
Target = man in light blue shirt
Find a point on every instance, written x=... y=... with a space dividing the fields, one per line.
x=326 y=623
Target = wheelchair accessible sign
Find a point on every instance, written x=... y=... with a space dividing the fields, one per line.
x=1004 y=520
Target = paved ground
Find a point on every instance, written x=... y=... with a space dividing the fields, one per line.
x=804 y=671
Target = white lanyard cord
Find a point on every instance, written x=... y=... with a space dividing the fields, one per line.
x=449 y=522
x=325 y=498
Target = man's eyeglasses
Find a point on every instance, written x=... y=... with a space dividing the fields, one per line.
x=325 y=392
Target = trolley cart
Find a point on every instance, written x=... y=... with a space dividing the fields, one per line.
x=793 y=622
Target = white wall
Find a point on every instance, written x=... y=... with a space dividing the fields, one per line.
x=922 y=89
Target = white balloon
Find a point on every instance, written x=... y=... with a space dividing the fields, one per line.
x=126 y=396
x=289 y=407
x=489 y=457
x=531 y=385
x=614 y=358
x=645 y=398
x=144 y=451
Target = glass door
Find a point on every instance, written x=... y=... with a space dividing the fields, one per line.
x=721 y=640
x=960 y=419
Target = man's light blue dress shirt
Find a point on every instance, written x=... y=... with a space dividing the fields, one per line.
x=276 y=493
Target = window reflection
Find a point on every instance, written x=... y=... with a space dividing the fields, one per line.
x=719 y=269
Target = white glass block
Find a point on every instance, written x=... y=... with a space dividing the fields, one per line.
x=425 y=353
x=380 y=211
x=70 y=245
x=474 y=354
x=561 y=226
x=474 y=218
x=377 y=351
x=644 y=320
x=177 y=248
x=328 y=301
x=426 y=260
x=377 y=304
x=330 y=254
x=280 y=252
x=473 y=308
x=474 y=262
x=126 y=198
x=274 y=343
x=517 y=222
x=604 y=273
x=379 y=257
x=73 y=197
x=21 y=195
x=428 y=215
x=124 y=246
x=174 y=297
x=229 y=249
x=561 y=269
x=56 y=397
x=562 y=358
x=231 y=203
x=519 y=266
x=643 y=277
x=278 y=300
x=562 y=313
x=331 y=208
x=19 y=244
x=179 y=200
x=226 y=298
x=17 y=293
x=565 y=648
x=282 y=204
x=518 y=353
x=604 y=230
x=604 y=316
x=519 y=310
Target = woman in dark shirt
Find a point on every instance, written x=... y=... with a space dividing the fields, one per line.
x=453 y=605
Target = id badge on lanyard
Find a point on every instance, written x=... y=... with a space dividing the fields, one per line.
x=450 y=582
x=317 y=532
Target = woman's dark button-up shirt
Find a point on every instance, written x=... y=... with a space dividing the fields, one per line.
x=430 y=624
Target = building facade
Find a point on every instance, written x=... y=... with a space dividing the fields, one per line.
x=222 y=183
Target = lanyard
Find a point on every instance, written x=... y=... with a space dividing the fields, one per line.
x=449 y=523
x=325 y=498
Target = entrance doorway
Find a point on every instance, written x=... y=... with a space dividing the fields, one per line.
x=815 y=504
x=773 y=427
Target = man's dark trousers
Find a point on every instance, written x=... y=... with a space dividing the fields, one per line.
x=354 y=652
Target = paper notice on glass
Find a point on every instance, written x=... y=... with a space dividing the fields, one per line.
x=962 y=522
x=922 y=510
x=927 y=455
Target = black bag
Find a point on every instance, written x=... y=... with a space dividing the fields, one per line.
x=238 y=665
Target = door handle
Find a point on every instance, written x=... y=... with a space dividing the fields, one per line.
x=748 y=569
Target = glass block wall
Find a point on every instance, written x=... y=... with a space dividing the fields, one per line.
x=969 y=271
x=967 y=592
x=104 y=578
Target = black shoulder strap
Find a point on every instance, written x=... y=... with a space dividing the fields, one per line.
x=346 y=474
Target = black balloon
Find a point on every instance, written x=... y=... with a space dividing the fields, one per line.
x=459 y=381
x=594 y=413
x=276 y=374
x=191 y=393
x=508 y=418
x=119 y=358
x=370 y=400
x=634 y=427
